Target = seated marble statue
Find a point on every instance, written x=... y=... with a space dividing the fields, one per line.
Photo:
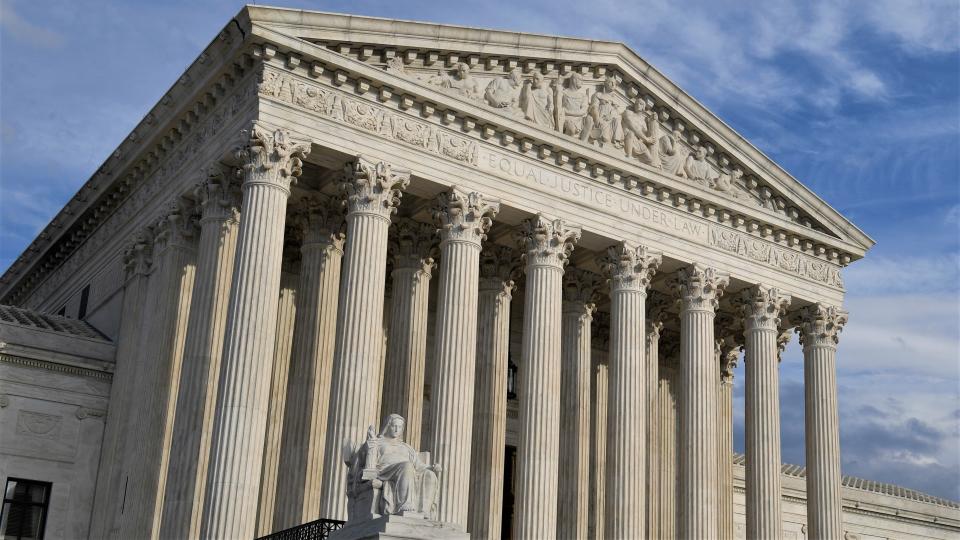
x=387 y=476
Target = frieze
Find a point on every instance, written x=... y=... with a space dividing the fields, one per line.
x=386 y=123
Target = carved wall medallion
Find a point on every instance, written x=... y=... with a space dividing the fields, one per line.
x=40 y=425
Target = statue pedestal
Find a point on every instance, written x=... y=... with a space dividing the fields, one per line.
x=398 y=528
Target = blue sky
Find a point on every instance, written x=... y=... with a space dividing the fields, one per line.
x=858 y=100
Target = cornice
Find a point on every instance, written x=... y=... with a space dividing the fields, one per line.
x=548 y=53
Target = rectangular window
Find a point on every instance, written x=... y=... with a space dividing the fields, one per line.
x=25 y=505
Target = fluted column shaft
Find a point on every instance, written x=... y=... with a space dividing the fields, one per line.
x=311 y=362
x=136 y=262
x=820 y=326
x=189 y=448
x=286 y=320
x=699 y=289
x=669 y=460
x=598 y=446
x=271 y=161
x=762 y=307
x=546 y=245
x=573 y=512
x=630 y=269
x=410 y=248
x=373 y=192
x=490 y=399
x=171 y=290
x=656 y=306
x=726 y=356
x=464 y=219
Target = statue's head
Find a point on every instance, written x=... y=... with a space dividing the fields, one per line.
x=537 y=79
x=609 y=83
x=393 y=427
x=463 y=70
x=516 y=76
x=576 y=81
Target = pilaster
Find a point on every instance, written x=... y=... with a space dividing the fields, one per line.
x=546 y=244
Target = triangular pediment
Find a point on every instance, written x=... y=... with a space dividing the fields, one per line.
x=591 y=95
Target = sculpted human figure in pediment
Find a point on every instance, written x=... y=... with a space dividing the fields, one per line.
x=602 y=123
x=461 y=82
x=504 y=92
x=698 y=169
x=673 y=154
x=641 y=133
x=728 y=181
x=573 y=101
x=536 y=101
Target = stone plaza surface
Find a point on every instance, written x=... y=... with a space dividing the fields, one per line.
x=538 y=251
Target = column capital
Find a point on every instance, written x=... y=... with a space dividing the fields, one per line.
x=630 y=267
x=580 y=289
x=319 y=220
x=699 y=287
x=177 y=226
x=464 y=216
x=373 y=187
x=547 y=241
x=411 y=245
x=498 y=268
x=657 y=312
x=761 y=307
x=819 y=325
x=728 y=352
x=270 y=157
x=137 y=255
x=783 y=339
x=600 y=332
x=218 y=194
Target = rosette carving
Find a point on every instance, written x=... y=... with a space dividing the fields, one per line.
x=273 y=158
x=700 y=287
x=373 y=188
x=218 y=194
x=761 y=307
x=630 y=267
x=820 y=325
x=546 y=241
x=412 y=245
x=464 y=216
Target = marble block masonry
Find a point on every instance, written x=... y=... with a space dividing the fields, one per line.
x=338 y=240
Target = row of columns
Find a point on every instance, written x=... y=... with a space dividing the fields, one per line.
x=218 y=424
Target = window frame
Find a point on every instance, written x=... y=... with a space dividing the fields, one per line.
x=45 y=505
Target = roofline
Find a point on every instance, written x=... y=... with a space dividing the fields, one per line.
x=367 y=24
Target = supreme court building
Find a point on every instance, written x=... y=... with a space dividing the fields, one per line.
x=538 y=250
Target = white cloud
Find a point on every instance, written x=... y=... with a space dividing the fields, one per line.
x=924 y=25
x=26 y=31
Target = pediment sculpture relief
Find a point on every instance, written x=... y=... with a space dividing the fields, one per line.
x=598 y=114
x=386 y=476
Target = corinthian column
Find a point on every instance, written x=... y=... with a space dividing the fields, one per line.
x=699 y=289
x=497 y=265
x=546 y=244
x=656 y=312
x=183 y=503
x=411 y=249
x=727 y=353
x=598 y=431
x=271 y=161
x=761 y=308
x=171 y=288
x=464 y=219
x=669 y=425
x=580 y=290
x=123 y=390
x=373 y=192
x=308 y=383
x=630 y=269
x=819 y=329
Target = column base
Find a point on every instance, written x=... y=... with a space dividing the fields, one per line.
x=405 y=527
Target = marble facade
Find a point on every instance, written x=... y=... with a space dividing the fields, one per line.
x=330 y=219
